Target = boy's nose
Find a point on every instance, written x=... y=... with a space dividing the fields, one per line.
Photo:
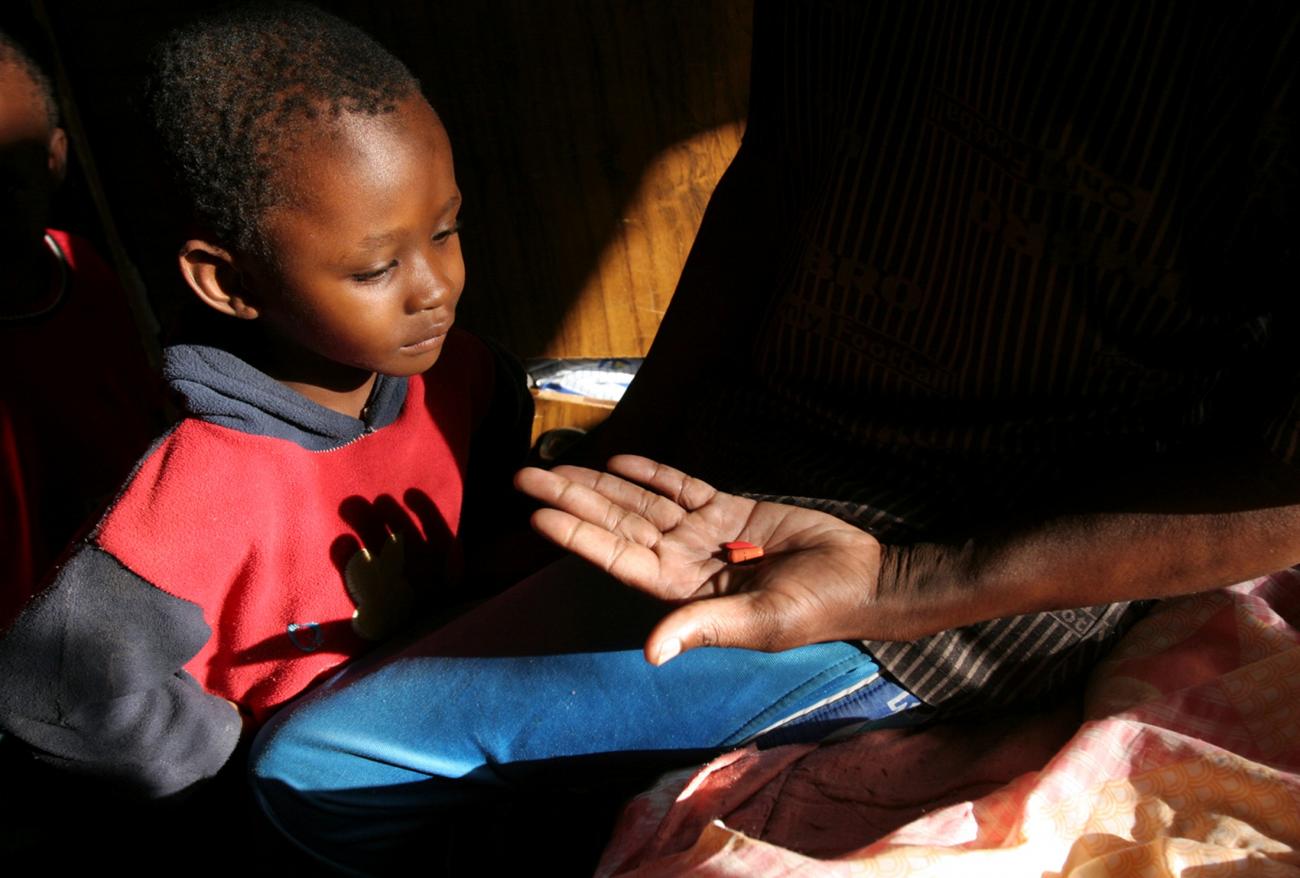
x=423 y=297
x=429 y=288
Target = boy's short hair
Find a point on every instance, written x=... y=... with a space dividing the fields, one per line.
x=230 y=94
x=14 y=53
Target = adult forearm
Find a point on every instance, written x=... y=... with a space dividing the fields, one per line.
x=1150 y=534
x=1082 y=560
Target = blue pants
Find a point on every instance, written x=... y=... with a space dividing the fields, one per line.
x=536 y=686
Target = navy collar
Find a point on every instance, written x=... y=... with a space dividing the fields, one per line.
x=218 y=387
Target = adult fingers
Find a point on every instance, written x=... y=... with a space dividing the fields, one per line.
x=750 y=620
x=590 y=506
x=655 y=508
x=686 y=491
x=623 y=559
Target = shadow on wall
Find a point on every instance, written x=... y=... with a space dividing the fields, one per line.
x=556 y=112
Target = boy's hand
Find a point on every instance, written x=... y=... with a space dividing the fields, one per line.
x=816 y=582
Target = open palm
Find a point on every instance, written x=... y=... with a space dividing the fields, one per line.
x=661 y=531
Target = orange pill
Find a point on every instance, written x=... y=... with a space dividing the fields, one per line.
x=739 y=551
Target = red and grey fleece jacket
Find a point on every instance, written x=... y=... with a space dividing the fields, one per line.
x=259 y=544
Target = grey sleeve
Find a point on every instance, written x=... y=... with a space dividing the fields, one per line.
x=91 y=678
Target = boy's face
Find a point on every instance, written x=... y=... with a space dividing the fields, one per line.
x=367 y=268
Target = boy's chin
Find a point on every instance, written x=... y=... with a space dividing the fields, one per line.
x=412 y=365
x=420 y=357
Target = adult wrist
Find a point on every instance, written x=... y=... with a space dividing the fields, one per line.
x=924 y=588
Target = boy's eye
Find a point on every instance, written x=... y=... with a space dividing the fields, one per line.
x=443 y=234
x=374 y=274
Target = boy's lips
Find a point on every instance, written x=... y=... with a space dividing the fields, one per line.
x=428 y=340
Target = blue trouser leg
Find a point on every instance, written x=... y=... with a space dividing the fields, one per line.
x=511 y=693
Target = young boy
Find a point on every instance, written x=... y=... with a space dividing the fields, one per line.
x=71 y=361
x=312 y=498
x=320 y=479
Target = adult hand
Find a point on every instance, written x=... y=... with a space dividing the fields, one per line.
x=816 y=581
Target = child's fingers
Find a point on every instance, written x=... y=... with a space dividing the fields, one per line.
x=686 y=491
x=658 y=510
x=626 y=561
x=586 y=504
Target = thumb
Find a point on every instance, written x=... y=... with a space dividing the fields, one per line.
x=743 y=620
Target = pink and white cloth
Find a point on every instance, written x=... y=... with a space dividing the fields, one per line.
x=1186 y=760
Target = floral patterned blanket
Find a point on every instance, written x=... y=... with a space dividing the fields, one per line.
x=1181 y=758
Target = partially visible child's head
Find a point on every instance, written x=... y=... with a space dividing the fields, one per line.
x=33 y=155
x=323 y=189
x=15 y=59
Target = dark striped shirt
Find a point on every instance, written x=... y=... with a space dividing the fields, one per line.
x=1021 y=243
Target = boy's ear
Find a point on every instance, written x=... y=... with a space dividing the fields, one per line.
x=210 y=272
x=57 y=152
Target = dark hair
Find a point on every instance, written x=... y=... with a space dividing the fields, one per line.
x=229 y=96
x=13 y=52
